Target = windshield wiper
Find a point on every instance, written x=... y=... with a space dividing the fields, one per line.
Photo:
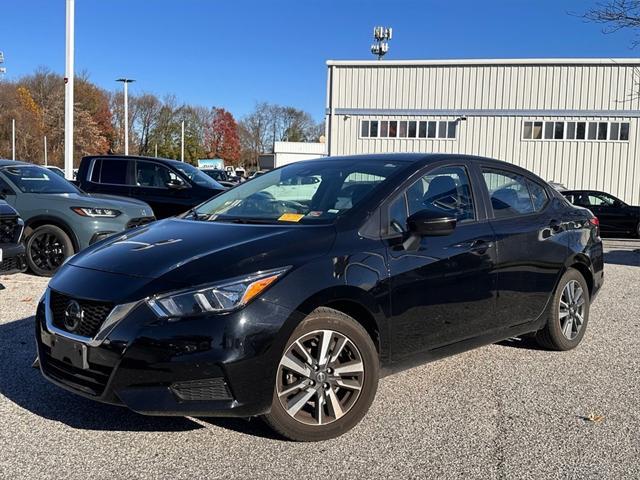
x=193 y=213
x=244 y=220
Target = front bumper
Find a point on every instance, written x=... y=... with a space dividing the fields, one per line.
x=13 y=259
x=218 y=365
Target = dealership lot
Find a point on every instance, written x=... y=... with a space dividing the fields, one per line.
x=506 y=410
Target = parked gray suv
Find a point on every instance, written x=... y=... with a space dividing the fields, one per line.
x=60 y=219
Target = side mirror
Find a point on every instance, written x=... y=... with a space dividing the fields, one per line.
x=427 y=223
x=175 y=184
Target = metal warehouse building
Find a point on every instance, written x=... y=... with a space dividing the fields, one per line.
x=573 y=121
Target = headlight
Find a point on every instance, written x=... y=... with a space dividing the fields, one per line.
x=96 y=212
x=220 y=297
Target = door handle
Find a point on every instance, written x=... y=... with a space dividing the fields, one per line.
x=480 y=246
x=555 y=225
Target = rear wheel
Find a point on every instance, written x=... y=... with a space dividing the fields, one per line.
x=569 y=313
x=47 y=248
x=326 y=379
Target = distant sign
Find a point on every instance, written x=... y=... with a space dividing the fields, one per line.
x=211 y=163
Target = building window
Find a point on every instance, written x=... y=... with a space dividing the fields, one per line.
x=442 y=129
x=597 y=131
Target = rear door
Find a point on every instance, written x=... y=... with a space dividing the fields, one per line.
x=112 y=176
x=443 y=291
x=531 y=241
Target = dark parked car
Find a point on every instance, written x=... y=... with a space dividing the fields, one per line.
x=60 y=219
x=255 y=304
x=220 y=176
x=170 y=187
x=616 y=217
x=12 y=259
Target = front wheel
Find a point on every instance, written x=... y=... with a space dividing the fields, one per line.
x=47 y=248
x=569 y=313
x=326 y=379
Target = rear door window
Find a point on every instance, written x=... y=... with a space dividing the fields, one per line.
x=113 y=171
x=512 y=194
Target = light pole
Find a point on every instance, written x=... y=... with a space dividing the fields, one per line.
x=126 y=82
x=182 y=144
x=68 y=91
x=13 y=139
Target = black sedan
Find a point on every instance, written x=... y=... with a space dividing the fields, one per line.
x=288 y=296
x=616 y=217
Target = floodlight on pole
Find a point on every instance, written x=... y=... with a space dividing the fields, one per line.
x=126 y=82
x=2 y=69
x=68 y=90
x=381 y=35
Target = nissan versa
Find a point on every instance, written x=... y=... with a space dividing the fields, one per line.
x=261 y=302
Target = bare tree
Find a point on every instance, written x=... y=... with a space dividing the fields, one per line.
x=616 y=15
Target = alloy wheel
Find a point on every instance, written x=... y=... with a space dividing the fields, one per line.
x=47 y=251
x=571 y=312
x=320 y=377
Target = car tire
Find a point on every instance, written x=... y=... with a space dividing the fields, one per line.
x=47 y=247
x=307 y=408
x=568 y=315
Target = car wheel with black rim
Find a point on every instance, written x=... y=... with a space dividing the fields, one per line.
x=326 y=379
x=568 y=315
x=47 y=248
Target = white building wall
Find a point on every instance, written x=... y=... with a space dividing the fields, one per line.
x=496 y=97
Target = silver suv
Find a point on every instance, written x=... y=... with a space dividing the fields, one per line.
x=60 y=219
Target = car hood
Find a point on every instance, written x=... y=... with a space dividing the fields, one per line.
x=134 y=208
x=188 y=252
x=6 y=209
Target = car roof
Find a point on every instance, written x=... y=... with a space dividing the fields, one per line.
x=168 y=161
x=584 y=191
x=9 y=163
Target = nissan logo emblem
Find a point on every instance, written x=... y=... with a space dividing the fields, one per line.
x=73 y=315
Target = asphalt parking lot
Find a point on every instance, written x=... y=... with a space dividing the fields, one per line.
x=508 y=410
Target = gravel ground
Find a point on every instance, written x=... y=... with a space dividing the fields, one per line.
x=507 y=410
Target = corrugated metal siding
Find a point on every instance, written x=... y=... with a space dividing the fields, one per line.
x=604 y=165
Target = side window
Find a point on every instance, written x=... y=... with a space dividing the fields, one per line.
x=95 y=171
x=509 y=193
x=113 y=172
x=149 y=174
x=444 y=190
x=538 y=195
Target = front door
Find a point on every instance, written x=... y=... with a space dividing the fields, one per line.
x=167 y=193
x=444 y=290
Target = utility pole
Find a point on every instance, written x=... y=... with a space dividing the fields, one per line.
x=126 y=82
x=182 y=146
x=68 y=91
x=2 y=69
x=46 y=162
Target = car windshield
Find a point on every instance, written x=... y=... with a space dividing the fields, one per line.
x=34 y=179
x=197 y=176
x=217 y=174
x=317 y=191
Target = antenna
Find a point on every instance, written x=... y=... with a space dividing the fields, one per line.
x=382 y=35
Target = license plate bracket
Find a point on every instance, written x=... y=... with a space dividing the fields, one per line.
x=68 y=351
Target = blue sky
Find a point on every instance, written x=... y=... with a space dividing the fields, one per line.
x=235 y=53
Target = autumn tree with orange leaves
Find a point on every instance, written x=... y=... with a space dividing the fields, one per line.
x=221 y=137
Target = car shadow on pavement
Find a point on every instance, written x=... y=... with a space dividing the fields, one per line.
x=623 y=257
x=25 y=386
x=254 y=426
x=527 y=342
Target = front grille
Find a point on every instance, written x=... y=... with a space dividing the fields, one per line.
x=95 y=313
x=137 y=222
x=9 y=230
x=200 y=390
x=92 y=380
